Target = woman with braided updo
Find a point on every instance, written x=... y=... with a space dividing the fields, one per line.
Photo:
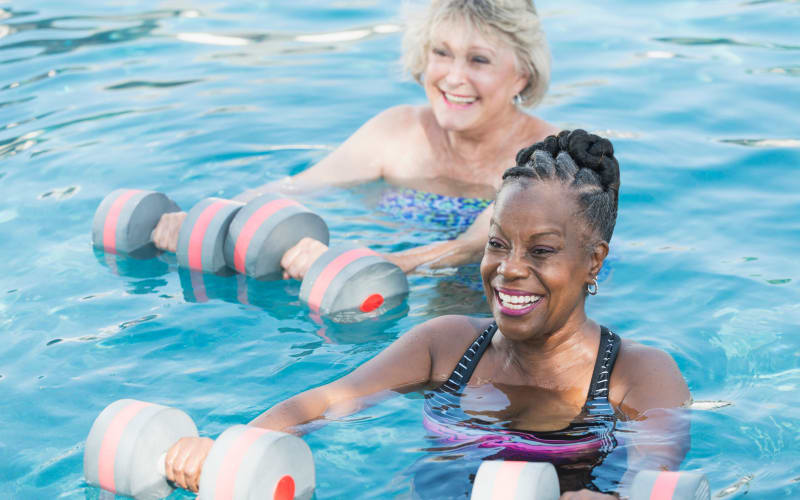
x=480 y=63
x=539 y=380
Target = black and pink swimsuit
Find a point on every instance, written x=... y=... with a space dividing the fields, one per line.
x=591 y=434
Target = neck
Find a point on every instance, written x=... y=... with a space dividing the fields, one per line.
x=491 y=141
x=553 y=358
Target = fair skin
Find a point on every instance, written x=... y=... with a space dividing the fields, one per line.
x=458 y=145
x=539 y=362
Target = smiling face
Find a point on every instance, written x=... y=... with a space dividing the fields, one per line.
x=536 y=264
x=470 y=80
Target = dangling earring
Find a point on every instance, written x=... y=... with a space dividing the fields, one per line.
x=517 y=100
x=591 y=288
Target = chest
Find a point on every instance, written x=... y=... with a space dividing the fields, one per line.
x=429 y=166
x=524 y=408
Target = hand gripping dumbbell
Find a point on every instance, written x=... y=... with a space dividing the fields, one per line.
x=128 y=442
x=510 y=480
x=345 y=278
x=125 y=219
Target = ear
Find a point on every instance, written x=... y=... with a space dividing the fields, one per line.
x=597 y=255
x=521 y=82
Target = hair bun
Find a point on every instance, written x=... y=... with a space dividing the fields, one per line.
x=549 y=144
x=593 y=152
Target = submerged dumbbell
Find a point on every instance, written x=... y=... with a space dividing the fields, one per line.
x=202 y=235
x=265 y=229
x=128 y=441
x=666 y=485
x=350 y=278
x=125 y=219
x=344 y=278
x=538 y=481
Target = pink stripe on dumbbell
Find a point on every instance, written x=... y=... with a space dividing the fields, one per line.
x=664 y=485
x=506 y=480
x=333 y=268
x=110 y=225
x=198 y=286
x=111 y=439
x=199 y=233
x=233 y=460
x=251 y=226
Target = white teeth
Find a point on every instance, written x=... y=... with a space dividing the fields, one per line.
x=517 y=301
x=459 y=99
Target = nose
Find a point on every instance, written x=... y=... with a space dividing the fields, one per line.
x=456 y=74
x=512 y=267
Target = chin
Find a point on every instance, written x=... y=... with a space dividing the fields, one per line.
x=453 y=120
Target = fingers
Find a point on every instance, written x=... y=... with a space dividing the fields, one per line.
x=184 y=462
x=298 y=259
x=586 y=495
x=165 y=235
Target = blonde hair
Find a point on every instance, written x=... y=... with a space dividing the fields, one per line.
x=515 y=22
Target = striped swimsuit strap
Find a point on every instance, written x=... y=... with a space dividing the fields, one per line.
x=598 y=387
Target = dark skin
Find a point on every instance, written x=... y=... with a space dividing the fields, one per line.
x=539 y=257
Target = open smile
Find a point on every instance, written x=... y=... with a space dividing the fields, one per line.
x=459 y=101
x=515 y=302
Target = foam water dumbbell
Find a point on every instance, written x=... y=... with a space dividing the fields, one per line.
x=668 y=485
x=265 y=229
x=202 y=235
x=125 y=219
x=510 y=480
x=128 y=441
x=350 y=278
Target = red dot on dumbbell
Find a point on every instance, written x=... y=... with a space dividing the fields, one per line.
x=371 y=303
x=351 y=278
x=284 y=490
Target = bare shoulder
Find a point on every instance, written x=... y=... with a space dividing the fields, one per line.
x=398 y=118
x=449 y=338
x=646 y=377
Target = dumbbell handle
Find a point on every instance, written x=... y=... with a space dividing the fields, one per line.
x=162 y=464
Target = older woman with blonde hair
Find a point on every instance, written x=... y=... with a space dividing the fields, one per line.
x=480 y=63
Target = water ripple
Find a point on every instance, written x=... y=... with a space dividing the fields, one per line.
x=778 y=70
x=692 y=41
x=141 y=83
x=764 y=143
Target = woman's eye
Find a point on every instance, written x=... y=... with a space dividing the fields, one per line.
x=541 y=251
x=439 y=52
x=480 y=60
x=494 y=243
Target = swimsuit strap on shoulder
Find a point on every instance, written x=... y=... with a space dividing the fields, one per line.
x=463 y=371
x=606 y=357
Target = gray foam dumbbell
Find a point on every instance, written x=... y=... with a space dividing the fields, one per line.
x=127 y=443
x=538 y=481
x=125 y=219
x=202 y=235
x=352 y=279
x=265 y=229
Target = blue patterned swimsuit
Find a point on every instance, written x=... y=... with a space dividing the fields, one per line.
x=431 y=209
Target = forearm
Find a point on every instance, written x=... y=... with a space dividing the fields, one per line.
x=437 y=255
x=292 y=413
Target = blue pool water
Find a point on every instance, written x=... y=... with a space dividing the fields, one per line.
x=208 y=97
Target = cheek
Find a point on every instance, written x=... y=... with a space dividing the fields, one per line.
x=434 y=71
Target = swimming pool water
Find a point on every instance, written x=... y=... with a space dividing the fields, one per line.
x=207 y=98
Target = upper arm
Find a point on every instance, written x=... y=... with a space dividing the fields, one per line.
x=362 y=157
x=405 y=363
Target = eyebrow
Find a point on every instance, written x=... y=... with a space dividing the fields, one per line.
x=554 y=232
x=481 y=48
